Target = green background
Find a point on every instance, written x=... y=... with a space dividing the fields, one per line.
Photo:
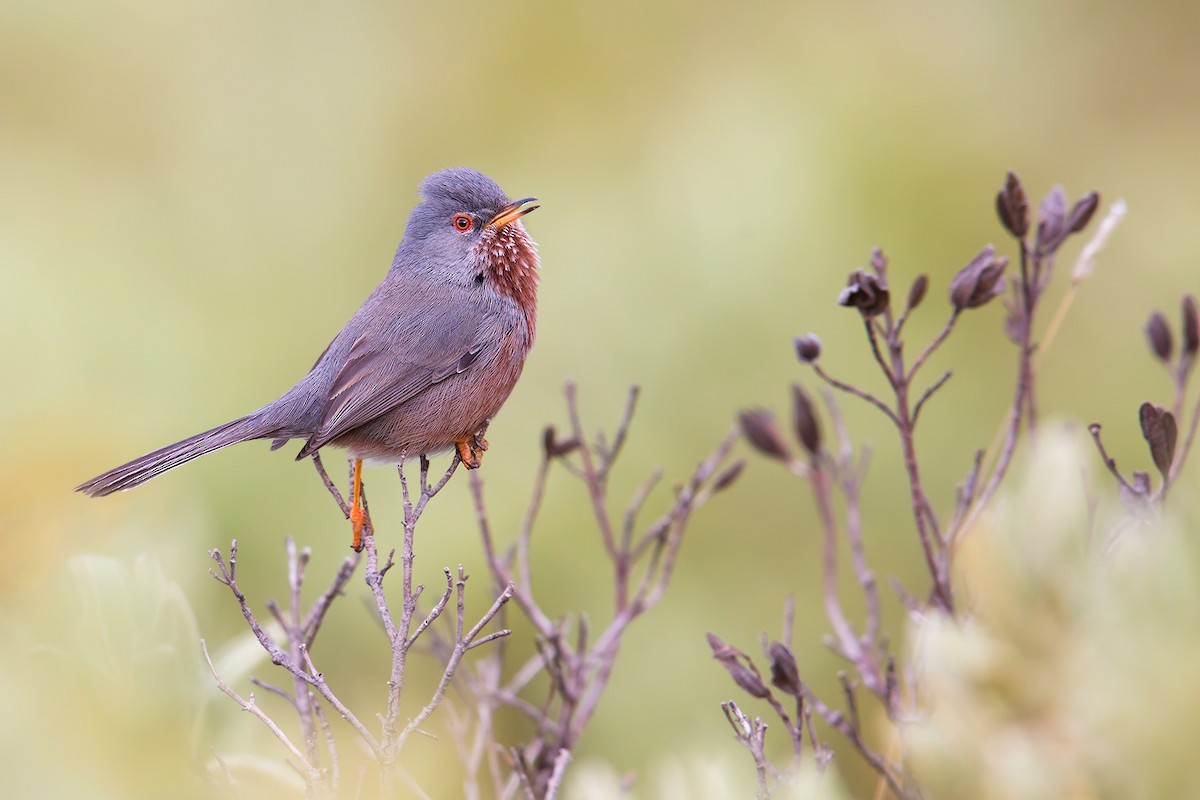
x=195 y=196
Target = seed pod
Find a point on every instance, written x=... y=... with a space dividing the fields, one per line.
x=1012 y=207
x=1191 y=326
x=866 y=292
x=916 y=292
x=978 y=282
x=1052 y=221
x=1082 y=211
x=731 y=474
x=758 y=425
x=739 y=665
x=1158 y=332
x=804 y=418
x=1160 y=432
x=785 y=675
x=554 y=448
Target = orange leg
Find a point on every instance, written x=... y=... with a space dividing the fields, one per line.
x=470 y=450
x=357 y=514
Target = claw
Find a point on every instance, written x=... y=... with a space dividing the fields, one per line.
x=470 y=451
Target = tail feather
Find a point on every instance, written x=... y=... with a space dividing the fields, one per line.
x=152 y=465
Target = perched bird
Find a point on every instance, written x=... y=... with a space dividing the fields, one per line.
x=423 y=365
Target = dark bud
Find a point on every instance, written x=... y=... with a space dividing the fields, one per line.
x=1191 y=326
x=916 y=292
x=808 y=348
x=804 y=417
x=763 y=434
x=740 y=668
x=866 y=292
x=1052 y=221
x=1159 y=431
x=554 y=448
x=1159 y=334
x=1012 y=207
x=1082 y=211
x=785 y=676
x=978 y=282
x=731 y=474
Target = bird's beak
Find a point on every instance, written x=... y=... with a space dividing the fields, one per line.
x=514 y=210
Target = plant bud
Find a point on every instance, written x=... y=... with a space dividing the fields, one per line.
x=808 y=348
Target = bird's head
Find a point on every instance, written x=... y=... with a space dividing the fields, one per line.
x=466 y=231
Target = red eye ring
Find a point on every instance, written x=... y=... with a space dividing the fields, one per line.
x=463 y=222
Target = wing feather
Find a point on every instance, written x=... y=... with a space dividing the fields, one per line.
x=389 y=364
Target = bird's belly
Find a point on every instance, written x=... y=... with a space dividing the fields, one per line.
x=456 y=408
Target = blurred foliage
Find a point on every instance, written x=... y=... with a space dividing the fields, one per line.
x=196 y=195
x=1073 y=675
x=696 y=778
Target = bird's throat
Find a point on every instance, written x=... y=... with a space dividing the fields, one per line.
x=511 y=264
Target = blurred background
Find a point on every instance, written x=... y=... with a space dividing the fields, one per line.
x=196 y=196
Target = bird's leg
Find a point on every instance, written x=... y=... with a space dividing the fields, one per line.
x=357 y=515
x=470 y=451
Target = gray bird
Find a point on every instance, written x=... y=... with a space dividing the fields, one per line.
x=423 y=365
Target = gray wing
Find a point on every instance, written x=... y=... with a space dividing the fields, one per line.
x=393 y=361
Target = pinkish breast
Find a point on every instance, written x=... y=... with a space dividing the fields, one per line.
x=511 y=260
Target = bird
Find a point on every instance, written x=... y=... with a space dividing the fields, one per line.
x=424 y=364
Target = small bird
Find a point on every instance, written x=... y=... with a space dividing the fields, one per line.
x=422 y=366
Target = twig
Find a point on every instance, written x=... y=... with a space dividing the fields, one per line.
x=330 y=485
x=252 y=707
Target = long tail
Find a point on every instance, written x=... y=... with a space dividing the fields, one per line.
x=152 y=465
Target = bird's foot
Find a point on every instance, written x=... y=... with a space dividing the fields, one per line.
x=358 y=513
x=357 y=518
x=470 y=450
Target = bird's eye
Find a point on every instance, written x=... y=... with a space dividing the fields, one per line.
x=463 y=222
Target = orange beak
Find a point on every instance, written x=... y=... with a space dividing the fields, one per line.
x=514 y=210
